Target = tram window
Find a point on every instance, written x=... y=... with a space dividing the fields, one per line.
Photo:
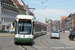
x=24 y=26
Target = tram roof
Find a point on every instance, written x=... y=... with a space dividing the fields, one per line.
x=24 y=17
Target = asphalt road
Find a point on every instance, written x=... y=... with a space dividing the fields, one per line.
x=40 y=43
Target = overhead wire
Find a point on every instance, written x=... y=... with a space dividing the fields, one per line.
x=28 y=5
x=44 y=7
x=63 y=1
x=45 y=1
x=52 y=6
x=46 y=11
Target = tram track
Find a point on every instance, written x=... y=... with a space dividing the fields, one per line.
x=51 y=43
x=40 y=40
x=45 y=44
x=54 y=45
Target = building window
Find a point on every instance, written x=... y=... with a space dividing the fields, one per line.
x=3 y=27
x=2 y=18
x=2 y=11
x=7 y=27
x=6 y=12
x=2 y=4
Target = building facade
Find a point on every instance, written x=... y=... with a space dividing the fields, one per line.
x=0 y=16
x=22 y=8
x=55 y=25
x=9 y=12
x=9 y=9
x=48 y=23
x=63 y=24
x=19 y=6
x=25 y=7
x=68 y=22
x=73 y=20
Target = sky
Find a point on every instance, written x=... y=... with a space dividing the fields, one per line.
x=51 y=9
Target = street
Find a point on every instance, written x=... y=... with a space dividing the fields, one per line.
x=40 y=43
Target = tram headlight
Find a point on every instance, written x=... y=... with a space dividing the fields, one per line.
x=17 y=36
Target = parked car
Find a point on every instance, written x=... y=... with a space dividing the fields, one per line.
x=55 y=34
x=72 y=36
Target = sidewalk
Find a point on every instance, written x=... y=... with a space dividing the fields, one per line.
x=6 y=34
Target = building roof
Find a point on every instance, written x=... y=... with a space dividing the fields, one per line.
x=56 y=22
x=8 y=5
x=63 y=17
x=20 y=6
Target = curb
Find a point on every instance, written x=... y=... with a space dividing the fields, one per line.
x=6 y=35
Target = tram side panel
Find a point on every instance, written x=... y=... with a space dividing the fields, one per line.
x=39 y=30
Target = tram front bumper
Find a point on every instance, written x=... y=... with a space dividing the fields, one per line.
x=24 y=40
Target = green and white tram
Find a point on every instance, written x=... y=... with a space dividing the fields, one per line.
x=23 y=29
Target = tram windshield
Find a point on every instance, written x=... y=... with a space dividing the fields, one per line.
x=24 y=27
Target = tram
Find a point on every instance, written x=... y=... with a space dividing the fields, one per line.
x=26 y=29
x=23 y=29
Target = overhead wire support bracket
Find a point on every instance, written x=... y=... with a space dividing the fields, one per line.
x=32 y=8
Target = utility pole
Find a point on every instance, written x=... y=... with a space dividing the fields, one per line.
x=0 y=16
